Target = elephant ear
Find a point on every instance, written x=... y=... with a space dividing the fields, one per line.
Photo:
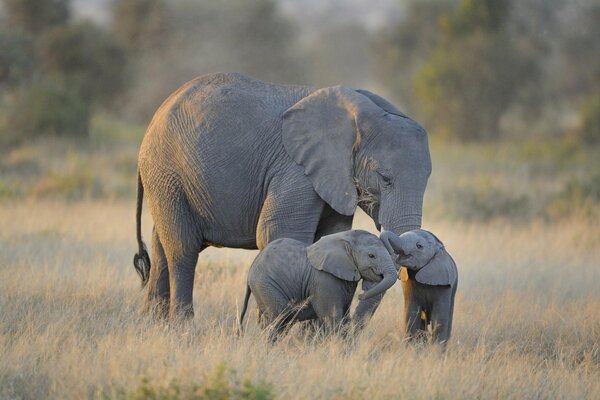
x=333 y=255
x=441 y=270
x=381 y=102
x=321 y=133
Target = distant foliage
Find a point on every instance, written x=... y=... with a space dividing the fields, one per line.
x=466 y=86
x=141 y=25
x=404 y=48
x=577 y=197
x=589 y=132
x=53 y=72
x=486 y=69
x=17 y=57
x=475 y=72
x=37 y=16
x=482 y=201
x=46 y=108
x=179 y=40
x=85 y=58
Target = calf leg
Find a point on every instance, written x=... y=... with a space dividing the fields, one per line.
x=440 y=322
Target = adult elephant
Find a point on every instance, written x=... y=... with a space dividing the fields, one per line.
x=230 y=161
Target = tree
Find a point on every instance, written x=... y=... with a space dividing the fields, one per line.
x=37 y=16
x=141 y=25
x=46 y=108
x=461 y=66
x=86 y=59
x=17 y=58
x=203 y=36
x=474 y=73
x=589 y=131
x=53 y=72
x=402 y=49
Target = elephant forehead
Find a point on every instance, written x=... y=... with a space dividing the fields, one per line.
x=283 y=251
x=371 y=240
x=410 y=235
x=430 y=237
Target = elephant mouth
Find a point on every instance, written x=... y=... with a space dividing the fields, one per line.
x=377 y=274
x=402 y=257
x=400 y=253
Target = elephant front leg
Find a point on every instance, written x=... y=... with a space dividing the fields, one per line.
x=157 y=296
x=415 y=325
x=440 y=322
x=332 y=314
x=366 y=308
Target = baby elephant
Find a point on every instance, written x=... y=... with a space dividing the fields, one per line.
x=429 y=280
x=292 y=282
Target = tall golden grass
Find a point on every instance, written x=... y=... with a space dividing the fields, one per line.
x=527 y=318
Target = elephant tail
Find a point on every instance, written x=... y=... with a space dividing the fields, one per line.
x=141 y=261
x=244 y=308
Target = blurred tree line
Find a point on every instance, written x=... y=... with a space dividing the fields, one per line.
x=488 y=69
x=53 y=71
x=467 y=69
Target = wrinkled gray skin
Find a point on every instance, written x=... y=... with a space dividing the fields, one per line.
x=230 y=161
x=320 y=279
x=429 y=281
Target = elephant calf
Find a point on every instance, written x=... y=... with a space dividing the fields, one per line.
x=429 y=281
x=292 y=282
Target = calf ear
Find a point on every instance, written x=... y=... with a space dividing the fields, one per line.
x=332 y=254
x=441 y=270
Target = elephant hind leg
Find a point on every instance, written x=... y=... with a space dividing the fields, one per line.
x=182 y=242
x=157 y=296
x=275 y=314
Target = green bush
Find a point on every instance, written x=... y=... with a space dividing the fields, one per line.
x=85 y=59
x=578 y=197
x=484 y=201
x=73 y=185
x=223 y=384
x=53 y=72
x=17 y=57
x=46 y=108
x=37 y=16
x=558 y=152
x=472 y=77
x=589 y=132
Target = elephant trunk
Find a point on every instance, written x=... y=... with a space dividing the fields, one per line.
x=401 y=213
x=391 y=241
x=389 y=278
x=385 y=237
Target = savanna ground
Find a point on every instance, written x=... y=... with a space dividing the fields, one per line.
x=520 y=219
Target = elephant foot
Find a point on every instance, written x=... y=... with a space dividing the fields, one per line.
x=182 y=315
x=418 y=337
x=158 y=309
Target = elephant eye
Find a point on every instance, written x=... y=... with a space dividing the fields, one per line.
x=372 y=255
x=386 y=178
x=419 y=246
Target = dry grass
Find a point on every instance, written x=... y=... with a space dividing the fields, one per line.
x=527 y=320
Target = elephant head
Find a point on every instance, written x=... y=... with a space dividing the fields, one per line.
x=421 y=251
x=353 y=255
x=358 y=149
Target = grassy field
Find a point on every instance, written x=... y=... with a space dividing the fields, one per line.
x=527 y=318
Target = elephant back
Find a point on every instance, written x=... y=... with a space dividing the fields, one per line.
x=282 y=263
